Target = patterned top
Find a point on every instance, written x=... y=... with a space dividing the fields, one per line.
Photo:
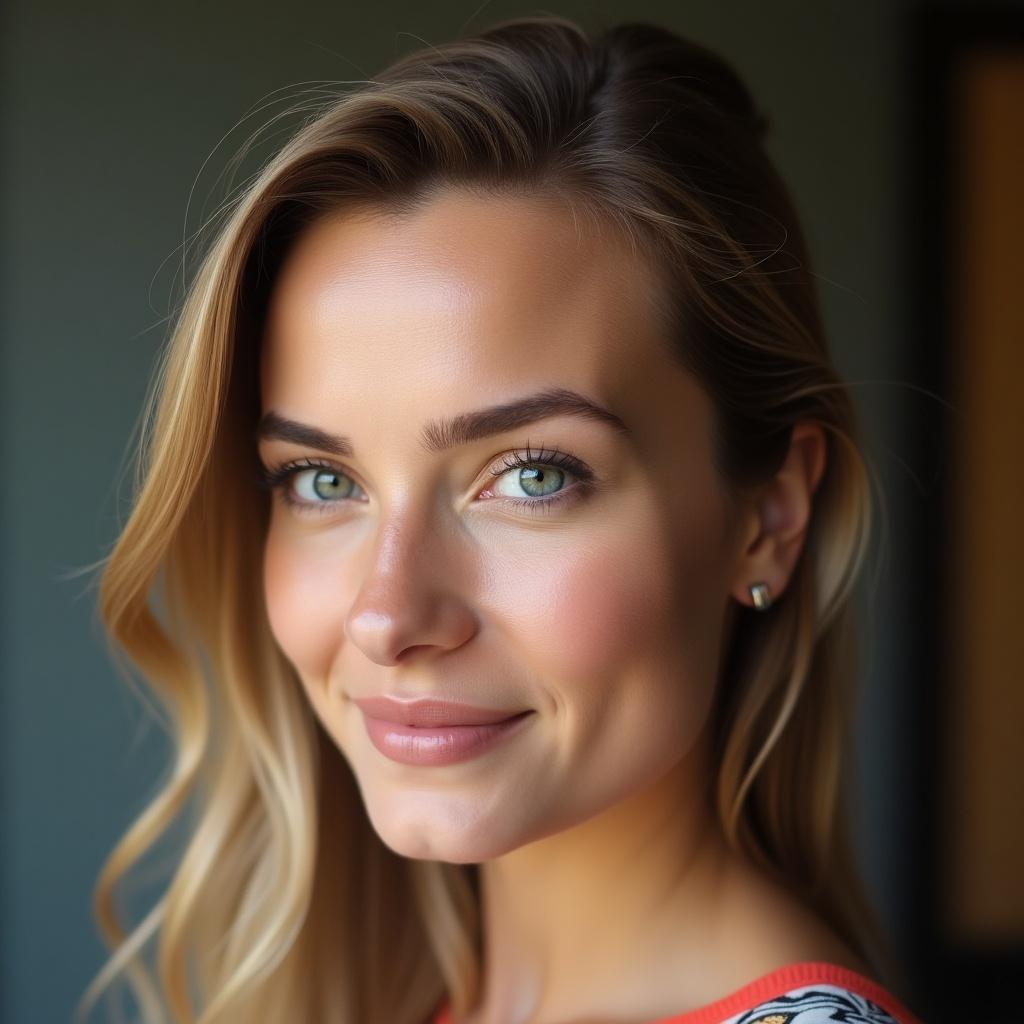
x=804 y=993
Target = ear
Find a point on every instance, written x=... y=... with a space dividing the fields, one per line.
x=774 y=525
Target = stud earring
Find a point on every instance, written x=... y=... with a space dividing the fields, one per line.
x=762 y=598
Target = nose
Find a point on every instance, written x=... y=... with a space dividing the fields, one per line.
x=414 y=593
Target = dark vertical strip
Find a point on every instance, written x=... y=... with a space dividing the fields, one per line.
x=953 y=982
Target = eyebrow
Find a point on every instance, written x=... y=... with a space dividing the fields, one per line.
x=442 y=435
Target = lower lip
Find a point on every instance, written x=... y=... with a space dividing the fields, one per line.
x=447 y=744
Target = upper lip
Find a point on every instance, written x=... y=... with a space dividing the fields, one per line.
x=428 y=711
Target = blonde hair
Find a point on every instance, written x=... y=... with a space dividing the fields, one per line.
x=285 y=905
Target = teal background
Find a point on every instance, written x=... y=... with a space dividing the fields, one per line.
x=117 y=121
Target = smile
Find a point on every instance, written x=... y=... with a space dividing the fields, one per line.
x=439 y=745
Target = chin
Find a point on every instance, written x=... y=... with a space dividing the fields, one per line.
x=436 y=845
x=438 y=830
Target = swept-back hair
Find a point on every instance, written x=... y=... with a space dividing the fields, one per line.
x=284 y=904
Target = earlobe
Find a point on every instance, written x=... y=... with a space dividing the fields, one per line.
x=782 y=513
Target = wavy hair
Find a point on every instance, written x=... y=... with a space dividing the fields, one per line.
x=284 y=905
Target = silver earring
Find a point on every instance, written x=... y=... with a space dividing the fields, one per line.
x=762 y=598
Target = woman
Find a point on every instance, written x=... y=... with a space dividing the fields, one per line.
x=503 y=508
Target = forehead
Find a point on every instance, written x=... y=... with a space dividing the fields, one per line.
x=479 y=298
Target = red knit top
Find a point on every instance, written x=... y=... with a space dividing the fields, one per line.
x=802 y=993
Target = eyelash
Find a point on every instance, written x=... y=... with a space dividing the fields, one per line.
x=277 y=478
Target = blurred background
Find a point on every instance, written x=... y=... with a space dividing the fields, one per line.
x=900 y=128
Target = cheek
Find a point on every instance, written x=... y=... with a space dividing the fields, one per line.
x=596 y=610
x=623 y=636
x=302 y=585
x=646 y=594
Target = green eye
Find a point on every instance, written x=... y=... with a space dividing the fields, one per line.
x=308 y=486
x=537 y=481
x=315 y=485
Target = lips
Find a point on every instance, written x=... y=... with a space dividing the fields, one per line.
x=449 y=741
x=428 y=712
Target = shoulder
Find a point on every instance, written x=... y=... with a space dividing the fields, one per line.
x=765 y=926
x=816 y=993
x=805 y=973
x=801 y=993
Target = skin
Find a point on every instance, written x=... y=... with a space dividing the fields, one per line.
x=608 y=891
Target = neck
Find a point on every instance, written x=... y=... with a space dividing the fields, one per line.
x=590 y=907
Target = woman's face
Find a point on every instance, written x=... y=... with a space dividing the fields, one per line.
x=592 y=593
